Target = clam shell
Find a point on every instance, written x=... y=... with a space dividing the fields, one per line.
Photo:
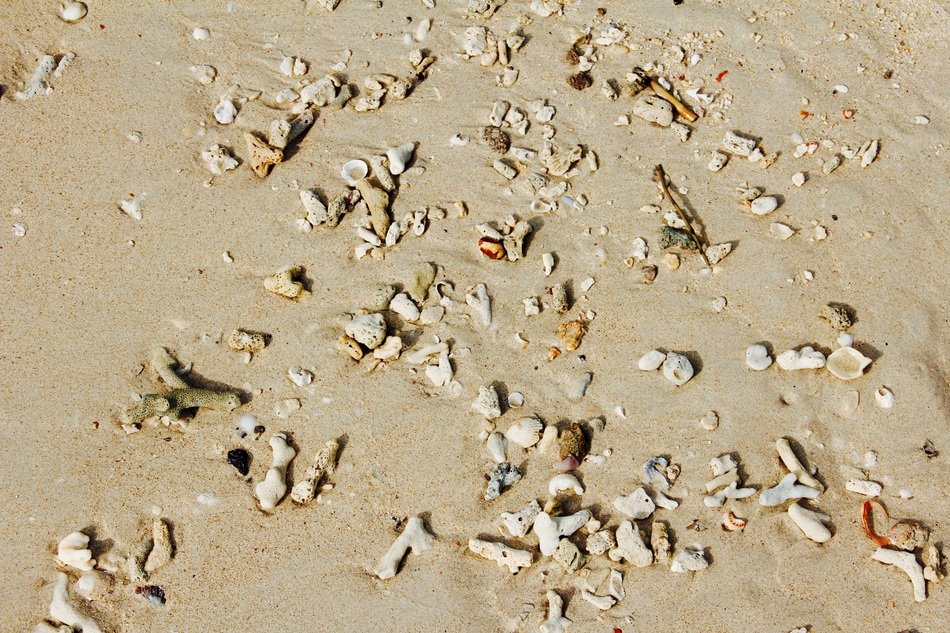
x=847 y=363
x=354 y=171
x=526 y=432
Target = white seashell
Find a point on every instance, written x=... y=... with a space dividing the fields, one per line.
x=299 y=376
x=805 y=358
x=132 y=206
x=272 y=489
x=710 y=421
x=717 y=161
x=637 y=505
x=689 y=560
x=414 y=537
x=73 y=11
x=487 y=403
x=847 y=363
x=564 y=481
x=884 y=397
x=738 y=144
x=906 y=562
x=399 y=157
x=640 y=249
x=757 y=357
x=812 y=524
x=73 y=551
x=496 y=448
x=405 y=307
x=630 y=546
x=526 y=432
x=677 y=369
x=651 y=360
x=781 y=231
x=764 y=205
x=785 y=490
x=515 y=399
x=354 y=171
x=200 y=33
x=513 y=559
x=519 y=523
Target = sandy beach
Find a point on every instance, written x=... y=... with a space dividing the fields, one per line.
x=89 y=293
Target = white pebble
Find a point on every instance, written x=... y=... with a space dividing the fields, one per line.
x=19 y=229
x=921 y=120
x=73 y=11
x=200 y=33
x=798 y=179
x=757 y=357
x=781 y=231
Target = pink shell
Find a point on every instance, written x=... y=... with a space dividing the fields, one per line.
x=567 y=464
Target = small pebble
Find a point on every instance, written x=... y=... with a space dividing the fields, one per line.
x=200 y=33
x=240 y=459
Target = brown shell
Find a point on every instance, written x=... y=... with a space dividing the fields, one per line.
x=492 y=249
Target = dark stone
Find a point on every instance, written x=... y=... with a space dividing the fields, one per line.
x=241 y=460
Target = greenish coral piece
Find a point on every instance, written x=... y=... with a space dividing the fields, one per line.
x=422 y=278
x=173 y=404
x=671 y=237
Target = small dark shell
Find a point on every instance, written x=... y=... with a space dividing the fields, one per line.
x=497 y=139
x=573 y=442
x=580 y=81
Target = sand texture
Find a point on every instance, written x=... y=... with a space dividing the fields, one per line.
x=88 y=293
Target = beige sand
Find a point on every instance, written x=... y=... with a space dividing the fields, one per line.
x=88 y=293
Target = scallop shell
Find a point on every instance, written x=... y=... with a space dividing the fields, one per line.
x=847 y=363
x=526 y=432
x=354 y=171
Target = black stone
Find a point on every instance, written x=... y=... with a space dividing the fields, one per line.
x=240 y=459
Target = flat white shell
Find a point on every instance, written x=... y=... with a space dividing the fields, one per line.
x=847 y=363
x=354 y=171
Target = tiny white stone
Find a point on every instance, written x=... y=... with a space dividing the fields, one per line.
x=200 y=33
x=19 y=229
x=844 y=339
x=587 y=284
x=920 y=119
x=840 y=88
x=764 y=205
x=299 y=376
x=781 y=231
x=225 y=111
x=798 y=179
x=651 y=360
